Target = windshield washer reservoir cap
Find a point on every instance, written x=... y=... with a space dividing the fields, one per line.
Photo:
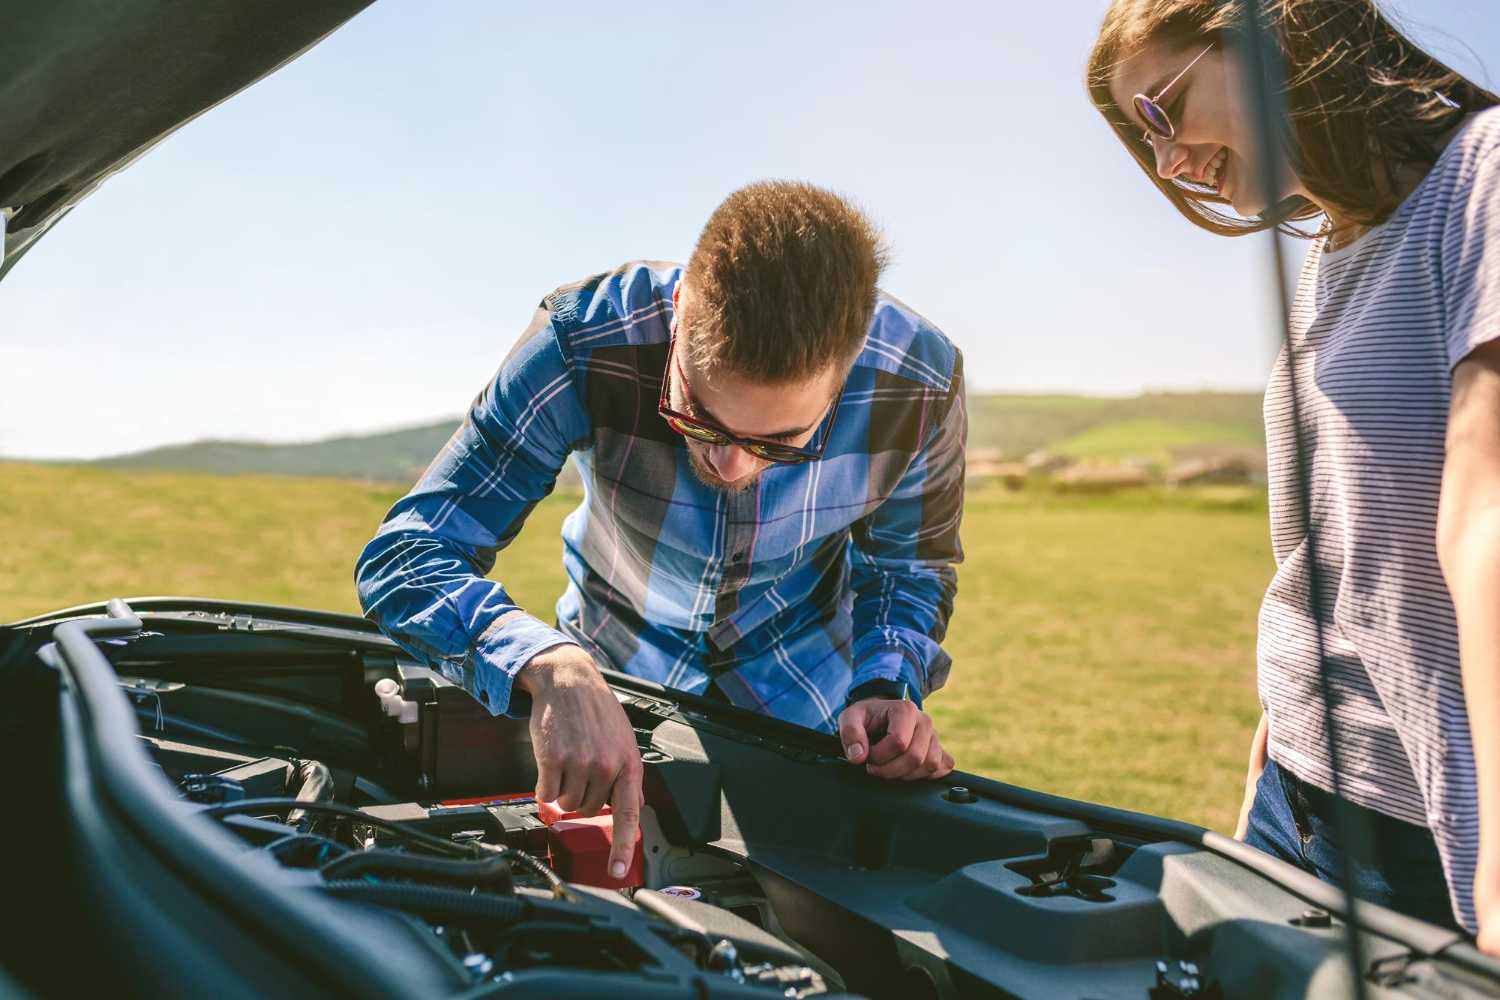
x=681 y=891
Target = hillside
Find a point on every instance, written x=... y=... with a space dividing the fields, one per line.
x=1154 y=425
x=1093 y=427
x=394 y=456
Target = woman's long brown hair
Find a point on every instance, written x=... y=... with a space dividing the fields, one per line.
x=1362 y=101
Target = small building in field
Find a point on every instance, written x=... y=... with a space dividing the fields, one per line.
x=1235 y=468
x=1099 y=477
x=984 y=465
x=1045 y=463
x=1011 y=475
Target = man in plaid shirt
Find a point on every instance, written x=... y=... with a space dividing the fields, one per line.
x=773 y=456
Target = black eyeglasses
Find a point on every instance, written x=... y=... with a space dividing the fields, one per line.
x=709 y=432
x=1153 y=115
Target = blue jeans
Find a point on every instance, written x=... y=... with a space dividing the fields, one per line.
x=1398 y=867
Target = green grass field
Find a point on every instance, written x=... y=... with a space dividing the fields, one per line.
x=1153 y=439
x=1096 y=427
x=1103 y=647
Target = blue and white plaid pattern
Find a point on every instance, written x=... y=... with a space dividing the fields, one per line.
x=821 y=576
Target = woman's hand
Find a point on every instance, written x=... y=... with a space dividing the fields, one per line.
x=1252 y=775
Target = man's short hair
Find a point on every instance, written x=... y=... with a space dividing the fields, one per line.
x=782 y=283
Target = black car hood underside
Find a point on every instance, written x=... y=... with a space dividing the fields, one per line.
x=86 y=86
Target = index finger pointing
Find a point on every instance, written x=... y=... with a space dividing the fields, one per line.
x=625 y=807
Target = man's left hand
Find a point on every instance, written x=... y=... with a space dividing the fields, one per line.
x=893 y=739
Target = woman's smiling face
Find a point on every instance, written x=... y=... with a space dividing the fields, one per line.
x=1216 y=145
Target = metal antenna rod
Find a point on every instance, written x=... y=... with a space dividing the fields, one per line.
x=1348 y=823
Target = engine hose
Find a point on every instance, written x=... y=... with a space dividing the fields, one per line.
x=312 y=781
x=435 y=903
x=304 y=850
x=492 y=870
x=559 y=888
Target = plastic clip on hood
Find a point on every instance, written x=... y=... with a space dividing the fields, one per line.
x=397 y=707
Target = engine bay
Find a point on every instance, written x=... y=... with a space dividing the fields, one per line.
x=359 y=825
x=493 y=883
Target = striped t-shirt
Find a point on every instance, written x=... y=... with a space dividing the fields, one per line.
x=1376 y=331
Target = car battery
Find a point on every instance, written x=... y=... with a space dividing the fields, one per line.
x=578 y=850
x=522 y=830
x=508 y=820
x=453 y=746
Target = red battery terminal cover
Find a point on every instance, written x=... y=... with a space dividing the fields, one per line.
x=551 y=812
x=578 y=849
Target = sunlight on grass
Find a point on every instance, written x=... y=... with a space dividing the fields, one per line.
x=1103 y=647
x=1152 y=439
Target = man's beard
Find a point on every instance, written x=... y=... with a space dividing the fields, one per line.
x=707 y=477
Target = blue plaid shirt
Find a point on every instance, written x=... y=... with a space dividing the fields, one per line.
x=821 y=576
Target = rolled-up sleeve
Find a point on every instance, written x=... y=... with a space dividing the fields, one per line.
x=1470 y=260
x=902 y=560
x=422 y=578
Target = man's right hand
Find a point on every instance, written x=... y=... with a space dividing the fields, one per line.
x=586 y=754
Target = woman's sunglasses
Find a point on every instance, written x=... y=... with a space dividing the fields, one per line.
x=1153 y=115
x=709 y=432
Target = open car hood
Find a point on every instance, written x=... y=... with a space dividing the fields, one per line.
x=87 y=86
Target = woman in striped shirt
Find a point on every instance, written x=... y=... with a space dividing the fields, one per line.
x=1379 y=644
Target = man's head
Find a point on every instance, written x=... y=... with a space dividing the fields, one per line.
x=770 y=313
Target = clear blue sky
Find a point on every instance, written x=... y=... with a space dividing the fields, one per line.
x=355 y=242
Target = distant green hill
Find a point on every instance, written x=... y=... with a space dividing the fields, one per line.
x=1154 y=424
x=1092 y=427
x=394 y=456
